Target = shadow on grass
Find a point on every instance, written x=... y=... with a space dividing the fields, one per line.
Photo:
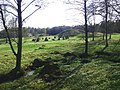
x=98 y=53
x=110 y=56
x=118 y=43
x=61 y=82
x=10 y=76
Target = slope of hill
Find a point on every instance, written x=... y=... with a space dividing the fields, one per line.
x=100 y=71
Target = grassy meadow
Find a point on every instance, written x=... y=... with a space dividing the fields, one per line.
x=101 y=72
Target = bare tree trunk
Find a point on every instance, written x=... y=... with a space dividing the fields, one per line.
x=110 y=37
x=103 y=36
x=4 y=24
x=6 y=40
x=93 y=35
x=106 y=21
x=86 y=30
x=19 y=54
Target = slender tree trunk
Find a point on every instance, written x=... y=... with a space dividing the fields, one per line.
x=6 y=41
x=110 y=36
x=19 y=54
x=103 y=36
x=86 y=30
x=93 y=35
x=106 y=21
x=6 y=29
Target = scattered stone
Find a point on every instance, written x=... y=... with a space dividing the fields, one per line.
x=38 y=39
x=46 y=39
x=33 y=40
x=58 y=38
x=54 y=36
x=53 y=39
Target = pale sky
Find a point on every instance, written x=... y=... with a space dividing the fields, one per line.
x=56 y=13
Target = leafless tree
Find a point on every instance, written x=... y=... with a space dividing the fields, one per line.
x=115 y=4
x=106 y=22
x=102 y=10
x=81 y=6
x=14 y=7
x=86 y=28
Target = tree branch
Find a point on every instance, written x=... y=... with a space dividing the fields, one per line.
x=15 y=1
x=100 y=14
x=10 y=43
x=115 y=9
x=31 y=13
x=9 y=6
x=28 y=5
x=15 y=41
x=10 y=13
x=10 y=3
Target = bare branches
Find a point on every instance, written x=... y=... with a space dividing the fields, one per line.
x=10 y=12
x=18 y=9
x=14 y=40
x=10 y=3
x=14 y=8
x=15 y=1
x=31 y=13
x=28 y=5
x=115 y=9
x=4 y=24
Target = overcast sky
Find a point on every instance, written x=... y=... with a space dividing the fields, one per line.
x=56 y=13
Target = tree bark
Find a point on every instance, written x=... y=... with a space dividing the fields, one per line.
x=93 y=35
x=106 y=22
x=86 y=30
x=19 y=54
x=110 y=36
x=103 y=36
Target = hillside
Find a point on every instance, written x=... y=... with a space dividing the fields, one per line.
x=70 y=69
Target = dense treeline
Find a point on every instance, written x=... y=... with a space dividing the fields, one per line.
x=30 y=31
x=114 y=27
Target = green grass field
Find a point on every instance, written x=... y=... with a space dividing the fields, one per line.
x=102 y=72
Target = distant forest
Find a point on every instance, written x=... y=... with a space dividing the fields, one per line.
x=114 y=27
